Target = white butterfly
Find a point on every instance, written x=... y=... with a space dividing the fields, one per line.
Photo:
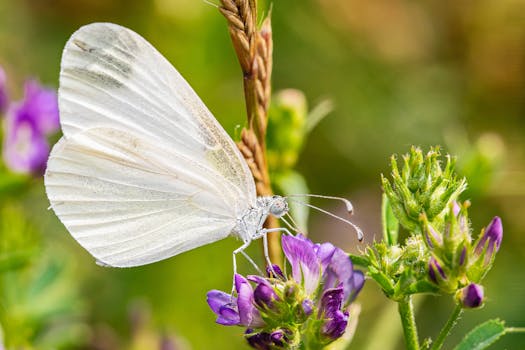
x=144 y=171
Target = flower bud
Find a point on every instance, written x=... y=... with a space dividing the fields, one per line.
x=472 y=296
x=308 y=307
x=491 y=239
x=265 y=340
x=422 y=187
x=264 y=296
x=435 y=271
x=274 y=271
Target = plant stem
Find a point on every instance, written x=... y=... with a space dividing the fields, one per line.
x=445 y=331
x=254 y=48
x=515 y=329
x=408 y=321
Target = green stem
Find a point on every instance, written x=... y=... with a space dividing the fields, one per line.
x=515 y=329
x=445 y=331
x=406 y=311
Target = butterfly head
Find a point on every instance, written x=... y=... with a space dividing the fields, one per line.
x=278 y=206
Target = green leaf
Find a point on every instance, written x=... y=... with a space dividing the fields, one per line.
x=359 y=260
x=482 y=336
x=318 y=113
x=390 y=222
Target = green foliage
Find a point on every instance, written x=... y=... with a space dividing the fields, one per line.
x=483 y=336
x=39 y=303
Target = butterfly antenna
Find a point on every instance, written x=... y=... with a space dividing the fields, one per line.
x=210 y=3
x=347 y=203
x=354 y=226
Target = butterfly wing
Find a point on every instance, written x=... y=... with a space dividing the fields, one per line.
x=111 y=76
x=144 y=171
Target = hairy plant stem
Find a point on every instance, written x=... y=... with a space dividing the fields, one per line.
x=408 y=321
x=445 y=331
x=254 y=48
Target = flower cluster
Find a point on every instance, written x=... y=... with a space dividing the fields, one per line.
x=457 y=262
x=28 y=123
x=440 y=254
x=308 y=307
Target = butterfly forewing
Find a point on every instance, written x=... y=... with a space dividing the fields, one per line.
x=144 y=171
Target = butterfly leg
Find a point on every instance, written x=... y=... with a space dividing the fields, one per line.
x=235 y=252
x=264 y=233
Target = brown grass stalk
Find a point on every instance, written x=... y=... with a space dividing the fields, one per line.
x=254 y=47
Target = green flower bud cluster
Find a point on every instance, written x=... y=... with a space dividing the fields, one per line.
x=439 y=255
x=422 y=187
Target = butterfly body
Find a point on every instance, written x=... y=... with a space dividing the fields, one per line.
x=250 y=224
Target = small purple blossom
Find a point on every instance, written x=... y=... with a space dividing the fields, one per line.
x=313 y=263
x=491 y=238
x=330 y=310
x=4 y=99
x=321 y=285
x=27 y=124
x=225 y=307
x=472 y=296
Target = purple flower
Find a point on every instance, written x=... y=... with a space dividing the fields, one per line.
x=235 y=311
x=335 y=320
x=277 y=309
x=225 y=307
x=491 y=239
x=314 y=263
x=41 y=106
x=4 y=99
x=305 y=263
x=27 y=124
x=472 y=296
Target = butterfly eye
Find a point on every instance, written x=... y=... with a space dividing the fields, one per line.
x=279 y=207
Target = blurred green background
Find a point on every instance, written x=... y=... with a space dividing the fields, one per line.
x=398 y=72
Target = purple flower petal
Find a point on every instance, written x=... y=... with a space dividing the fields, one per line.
x=325 y=252
x=331 y=302
x=248 y=314
x=301 y=254
x=336 y=325
x=224 y=306
x=340 y=270
x=264 y=296
x=228 y=316
x=217 y=298
x=308 y=307
x=493 y=235
x=4 y=99
x=356 y=284
x=41 y=105
x=25 y=149
x=274 y=268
